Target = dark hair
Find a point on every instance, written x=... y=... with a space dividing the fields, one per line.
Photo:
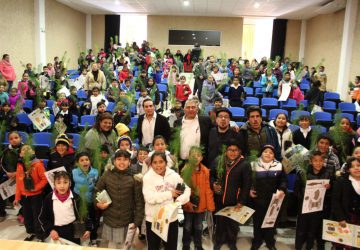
x=5 y=55
x=102 y=117
x=157 y=153
x=304 y=117
x=346 y=118
x=72 y=87
x=358 y=78
x=100 y=103
x=157 y=137
x=96 y=88
x=61 y=174
x=349 y=162
x=13 y=132
x=81 y=154
x=316 y=153
x=146 y=100
x=122 y=153
x=142 y=148
x=6 y=104
x=316 y=83
x=233 y=142
x=281 y=113
x=287 y=73
x=324 y=137
x=253 y=109
x=246 y=61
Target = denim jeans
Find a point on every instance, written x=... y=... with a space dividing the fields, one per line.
x=193 y=223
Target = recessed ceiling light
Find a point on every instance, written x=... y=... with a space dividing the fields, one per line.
x=117 y=2
x=186 y=3
x=256 y=5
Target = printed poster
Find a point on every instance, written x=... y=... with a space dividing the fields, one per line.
x=7 y=188
x=294 y=156
x=39 y=119
x=349 y=235
x=240 y=216
x=50 y=175
x=314 y=196
x=273 y=211
x=285 y=92
x=161 y=220
x=130 y=235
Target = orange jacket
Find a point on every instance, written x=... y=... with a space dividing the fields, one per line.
x=38 y=175
x=201 y=180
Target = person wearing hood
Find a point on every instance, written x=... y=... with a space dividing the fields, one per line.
x=281 y=126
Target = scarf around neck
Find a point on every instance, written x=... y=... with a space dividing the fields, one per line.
x=62 y=197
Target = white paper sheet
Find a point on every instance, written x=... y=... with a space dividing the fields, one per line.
x=39 y=119
x=50 y=175
x=349 y=235
x=8 y=188
x=273 y=211
x=285 y=92
x=161 y=220
x=240 y=216
x=314 y=196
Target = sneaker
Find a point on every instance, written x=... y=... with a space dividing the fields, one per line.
x=93 y=243
x=30 y=237
x=142 y=237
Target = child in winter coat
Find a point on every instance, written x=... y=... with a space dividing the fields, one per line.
x=8 y=117
x=60 y=211
x=159 y=189
x=345 y=205
x=201 y=199
x=85 y=176
x=236 y=93
x=30 y=183
x=209 y=91
x=183 y=90
x=309 y=225
x=9 y=161
x=231 y=188
x=15 y=98
x=268 y=83
x=269 y=177
x=127 y=205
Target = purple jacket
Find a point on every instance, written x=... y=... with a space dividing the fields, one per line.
x=13 y=100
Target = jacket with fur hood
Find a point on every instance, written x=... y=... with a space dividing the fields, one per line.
x=285 y=138
x=157 y=192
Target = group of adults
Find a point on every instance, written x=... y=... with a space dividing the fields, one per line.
x=195 y=130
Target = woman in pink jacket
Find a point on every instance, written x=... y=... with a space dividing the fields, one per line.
x=7 y=70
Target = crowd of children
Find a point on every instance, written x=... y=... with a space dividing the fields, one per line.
x=139 y=179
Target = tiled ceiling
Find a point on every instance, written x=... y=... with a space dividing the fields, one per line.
x=292 y=9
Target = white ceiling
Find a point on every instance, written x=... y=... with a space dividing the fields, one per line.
x=290 y=9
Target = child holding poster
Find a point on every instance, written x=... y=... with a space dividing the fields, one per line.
x=268 y=178
x=309 y=225
x=345 y=205
x=162 y=186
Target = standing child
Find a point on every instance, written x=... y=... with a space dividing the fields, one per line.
x=183 y=90
x=61 y=157
x=269 y=178
x=142 y=154
x=231 y=189
x=309 y=225
x=201 y=200
x=268 y=83
x=86 y=176
x=159 y=189
x=30 y=183
x=345 y=205
x=127 y=205
x=236 y=93
x=159 y=145
x=60 y=211
x=9 y=161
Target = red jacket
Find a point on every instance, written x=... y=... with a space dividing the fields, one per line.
x=201 y=180
x=124 y=75
x=180 y=92
x=37 y=174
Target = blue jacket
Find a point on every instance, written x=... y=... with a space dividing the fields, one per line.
x=80 y=179
x=264 y=81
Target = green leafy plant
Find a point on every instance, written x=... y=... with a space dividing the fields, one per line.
x=83 y=207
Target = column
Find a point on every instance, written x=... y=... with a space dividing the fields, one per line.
x=302 y=41
x=40 y=35
x=346 y=48
x=88 y=32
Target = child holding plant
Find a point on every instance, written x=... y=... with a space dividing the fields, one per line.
x=61 y=209
x=85 y=178
x=231 y=184
x=30 y=184
x=197 y=177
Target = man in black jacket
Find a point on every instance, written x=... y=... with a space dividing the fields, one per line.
x=195 y=130
x=221 y=134
x=151 y=124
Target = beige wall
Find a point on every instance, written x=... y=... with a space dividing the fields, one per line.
x=97 y=31
x=292 y=40
x=231 y=32
x=323 y=41
x=65 y=31
x=355 y=62
x=17 y=32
